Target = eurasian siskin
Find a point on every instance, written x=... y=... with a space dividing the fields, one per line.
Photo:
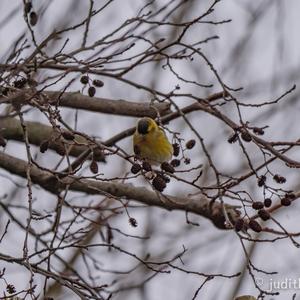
x=151 y=143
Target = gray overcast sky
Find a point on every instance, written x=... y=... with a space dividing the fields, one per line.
x=258 y=50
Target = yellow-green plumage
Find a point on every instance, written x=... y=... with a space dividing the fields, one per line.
x=151 y=143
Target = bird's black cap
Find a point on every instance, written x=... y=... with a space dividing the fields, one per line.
x=142 y=126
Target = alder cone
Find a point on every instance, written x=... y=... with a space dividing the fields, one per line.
x=254 y=225
x=135 y=168
x=175 y=162
x=167 y=167
x=98 y=83
x=147 y=166
x=33 y=18
x=159 y=183
x=246 y=136
x=10 y=289
x=291 y=196
x=190 y=144
x=263 y=214
x=176 y=149
x=187 y=161
x=133 y=222
x=84 y=79
x=257 y=205
x=91 y=91
x=261 y=180
x=268 y=202
x=239 y=224
x=286 y=201
x=279 y=179
x=94 y=167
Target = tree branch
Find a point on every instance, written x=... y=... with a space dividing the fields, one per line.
x=201 y=206
x=11 y=129
x=108 y=106
x=78 y=101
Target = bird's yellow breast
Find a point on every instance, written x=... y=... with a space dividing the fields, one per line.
x=153 y=146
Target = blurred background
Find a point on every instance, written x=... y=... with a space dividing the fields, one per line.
x=254 y=48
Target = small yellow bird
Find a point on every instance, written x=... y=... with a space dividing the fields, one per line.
x=151 y=143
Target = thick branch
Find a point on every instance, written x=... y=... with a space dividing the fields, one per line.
x=11 y=129
x=108 y=106
x=201 y=206
x=102 y=105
